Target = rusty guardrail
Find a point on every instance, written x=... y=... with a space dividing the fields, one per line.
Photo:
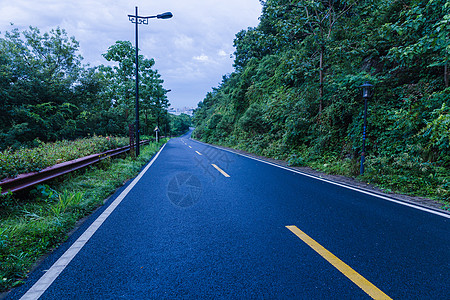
x=24 y=181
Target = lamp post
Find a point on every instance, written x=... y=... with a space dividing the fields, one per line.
x=136 y=19
x=367 y=92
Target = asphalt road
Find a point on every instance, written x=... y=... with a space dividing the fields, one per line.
x=207 y=223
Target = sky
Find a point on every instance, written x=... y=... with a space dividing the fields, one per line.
x=192 y=51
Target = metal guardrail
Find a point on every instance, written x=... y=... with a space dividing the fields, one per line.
x=24 y=181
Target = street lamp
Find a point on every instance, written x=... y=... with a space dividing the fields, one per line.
x=136 y=19
x=367 y=92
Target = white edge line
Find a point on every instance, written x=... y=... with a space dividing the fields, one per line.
x=338 y=184
x=47 y=279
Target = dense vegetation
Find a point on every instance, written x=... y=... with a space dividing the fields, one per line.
x=25 y=160
x=36 y=222
x=294 y=92
x=179 y=124
x=46 y=94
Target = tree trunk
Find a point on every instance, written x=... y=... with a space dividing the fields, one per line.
x=146 y=123
x=322 y=50
x=446 y=74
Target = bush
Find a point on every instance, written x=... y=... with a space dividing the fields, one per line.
x=13 y=163
x=409 y=174
x=252 y=121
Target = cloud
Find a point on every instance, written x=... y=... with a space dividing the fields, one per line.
x=183 y=42
x=222 y=53
x=202 y=58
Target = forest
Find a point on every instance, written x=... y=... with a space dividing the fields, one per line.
x=47 y=94
x=294 y=93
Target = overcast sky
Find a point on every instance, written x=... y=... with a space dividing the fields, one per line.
x=192 y=50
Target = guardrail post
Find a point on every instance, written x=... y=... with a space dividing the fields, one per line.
x=131 y=134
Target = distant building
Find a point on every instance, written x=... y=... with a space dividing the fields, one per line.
x=178 y=111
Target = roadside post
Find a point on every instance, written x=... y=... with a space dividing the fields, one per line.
x=132 y=140
x=367 y=93
x=156 y=132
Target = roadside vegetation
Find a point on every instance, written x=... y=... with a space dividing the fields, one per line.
x=179 y=124
x=294 y=93
x=35 y=222
x=25 y=160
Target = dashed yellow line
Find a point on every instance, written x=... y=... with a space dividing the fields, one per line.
x=198 y=153
x=359 y=280
x=220 y=170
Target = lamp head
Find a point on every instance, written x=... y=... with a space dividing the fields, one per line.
x=367 y=90
x=166 y=15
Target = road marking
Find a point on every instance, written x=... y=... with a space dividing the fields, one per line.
x=198 y=153
x=405 y=203
x=47 y=279
x=220 y=170
x=190 y=147
x=351 y=274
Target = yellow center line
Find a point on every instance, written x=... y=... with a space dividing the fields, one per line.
x=198 y=153
x=220 y=170
x=359 y=280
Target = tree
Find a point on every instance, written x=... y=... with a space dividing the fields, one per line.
x=38 y=74
x=179 y=124
x=121 y=76
x=152 y=95
x=423 y=37
x=317 y=19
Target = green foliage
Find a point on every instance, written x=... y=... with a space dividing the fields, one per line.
x=38 y=73
x=252 y=121
x=409 y=174
x=437 y=133
x=179 y=124
x=423 y=30
x=66 y=201
x=43 y=192
x=45 y=155
x=121 y=87
x=294 y=93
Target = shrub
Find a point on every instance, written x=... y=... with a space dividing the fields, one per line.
x=35 y=159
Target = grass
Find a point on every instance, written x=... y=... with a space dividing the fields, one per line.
x=409 y=175
x=35 y=223
x=393 y=174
